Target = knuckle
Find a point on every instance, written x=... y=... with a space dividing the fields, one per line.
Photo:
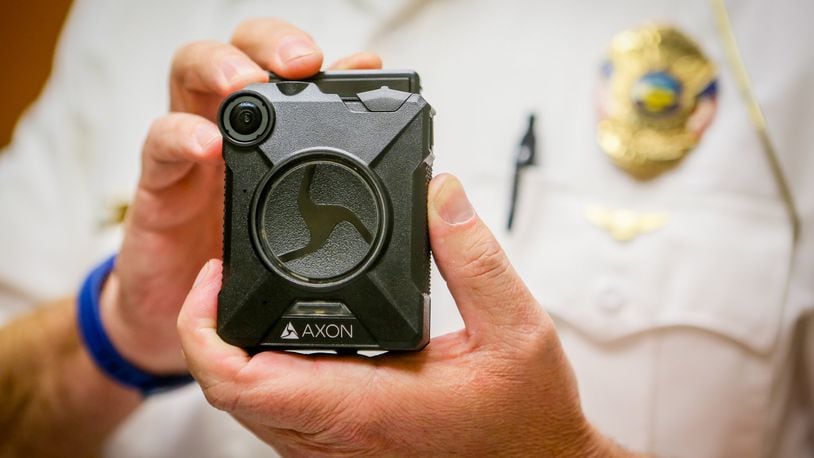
x=485 y=260
x=194 y=66
x=190 y=51
x=221 y=398
x=242 y=29
x=154 y=134
x=372 y=58
x=250 y=24
x=170 y=132
x=248 y=29
x=533 y=336
x=542 y=333
x=156 y=126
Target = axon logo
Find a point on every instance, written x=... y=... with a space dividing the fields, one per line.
x=289 y=332
x=318 y=331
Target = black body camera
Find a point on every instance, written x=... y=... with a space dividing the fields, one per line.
x=325 y=227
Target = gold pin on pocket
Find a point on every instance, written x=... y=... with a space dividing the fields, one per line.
x=624 y=224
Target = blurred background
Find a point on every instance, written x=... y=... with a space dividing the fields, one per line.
x=28 y=31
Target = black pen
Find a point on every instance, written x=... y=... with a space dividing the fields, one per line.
x=524 y=157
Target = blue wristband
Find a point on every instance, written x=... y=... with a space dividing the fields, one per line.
x=100 y=347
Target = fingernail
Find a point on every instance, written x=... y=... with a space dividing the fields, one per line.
x=294 y=48
x=205 y=135
x=236 y=67
x=451 y=202
x=202 y=274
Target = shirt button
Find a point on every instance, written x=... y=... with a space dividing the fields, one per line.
x=610 y=300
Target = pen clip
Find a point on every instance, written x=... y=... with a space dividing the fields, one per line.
x=525 y=156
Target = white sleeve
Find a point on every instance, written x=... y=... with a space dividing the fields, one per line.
x=48 y=231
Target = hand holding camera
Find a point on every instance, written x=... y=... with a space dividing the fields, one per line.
x=175 y=222
x=502 y=386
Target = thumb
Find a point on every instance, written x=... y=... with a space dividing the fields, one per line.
x=480 y=277
x=211 y=361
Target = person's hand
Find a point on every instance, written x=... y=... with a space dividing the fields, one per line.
x=501 y=386
x=175 y=222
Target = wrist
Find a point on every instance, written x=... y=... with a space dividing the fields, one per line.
x=99 y=346
x=134 y=337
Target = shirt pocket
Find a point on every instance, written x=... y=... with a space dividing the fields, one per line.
x=720 y=263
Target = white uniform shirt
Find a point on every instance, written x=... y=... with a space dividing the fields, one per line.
x=693 y=340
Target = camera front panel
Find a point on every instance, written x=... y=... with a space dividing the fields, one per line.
x=325 y=225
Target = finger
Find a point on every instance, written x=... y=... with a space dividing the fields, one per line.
x=211 y=361
x=283 y=390
x=175 y=143
x=485 y=287
x=359 y=61
x=279 y=46
x=206 y=71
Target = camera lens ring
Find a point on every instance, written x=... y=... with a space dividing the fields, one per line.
x=243 y=130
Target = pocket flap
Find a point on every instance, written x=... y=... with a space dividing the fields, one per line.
x=719 y=263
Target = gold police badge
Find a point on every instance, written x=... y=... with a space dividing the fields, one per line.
x=656 y=97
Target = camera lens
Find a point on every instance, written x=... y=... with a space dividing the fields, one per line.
x=245 y=118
